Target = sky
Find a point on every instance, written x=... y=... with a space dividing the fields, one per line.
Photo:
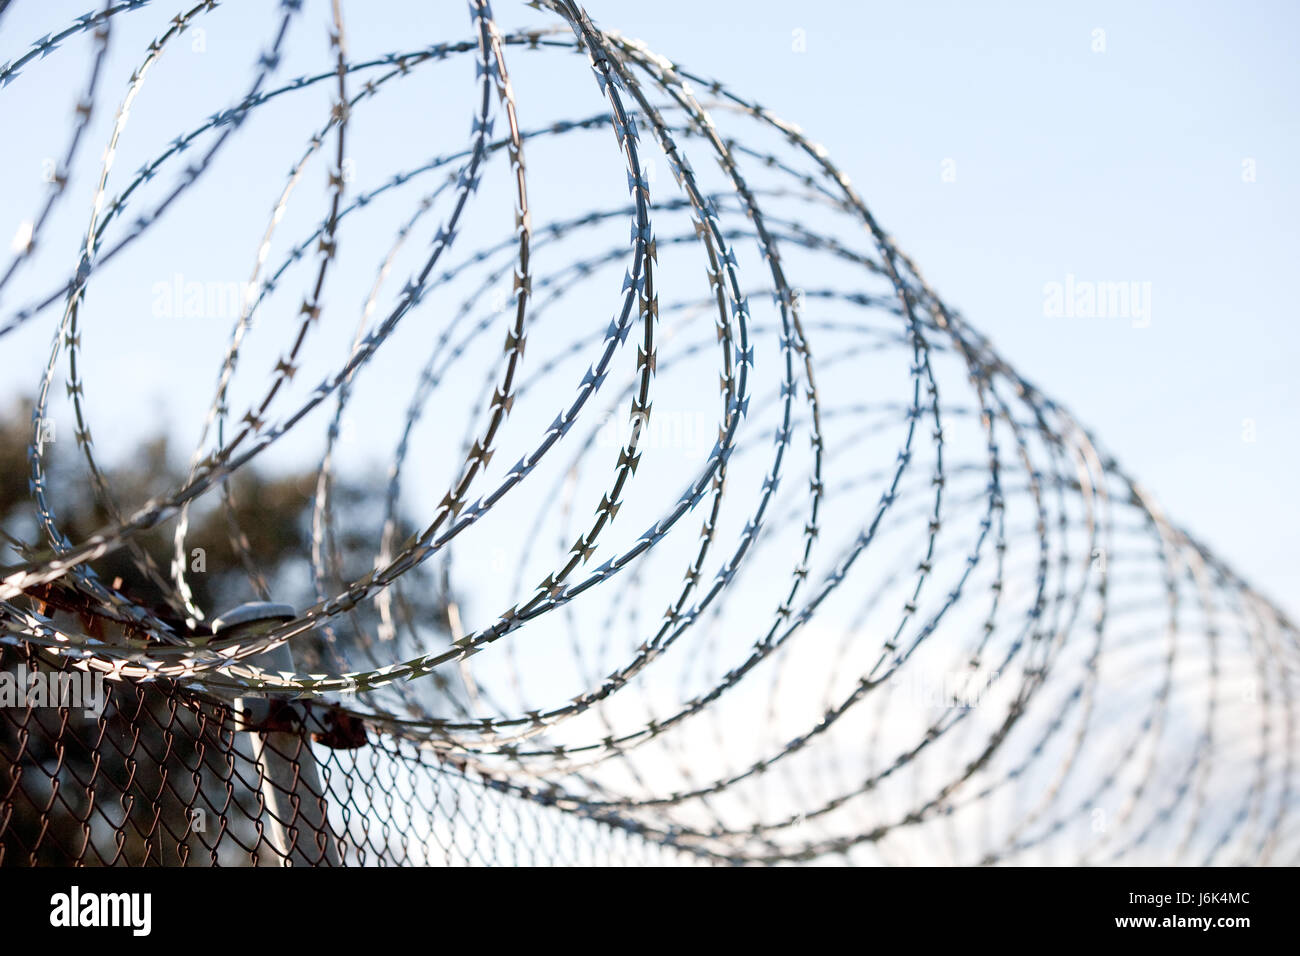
x=1124 y=165
x=1006 y=147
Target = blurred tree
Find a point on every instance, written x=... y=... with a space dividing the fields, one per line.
x=123 y=788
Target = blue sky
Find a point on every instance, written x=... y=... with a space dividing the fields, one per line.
x=1120 y=165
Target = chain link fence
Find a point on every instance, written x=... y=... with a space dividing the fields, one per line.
x=163 y=777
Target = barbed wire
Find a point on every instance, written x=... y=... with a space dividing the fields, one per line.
x=918 y=629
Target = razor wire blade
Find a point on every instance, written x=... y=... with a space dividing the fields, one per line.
x=776 y=558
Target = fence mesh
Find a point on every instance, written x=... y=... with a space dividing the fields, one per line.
x=166 y=778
